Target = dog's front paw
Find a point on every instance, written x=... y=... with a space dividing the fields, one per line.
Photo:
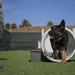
x=64 y=62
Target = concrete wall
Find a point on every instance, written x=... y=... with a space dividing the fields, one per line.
x=24 y=40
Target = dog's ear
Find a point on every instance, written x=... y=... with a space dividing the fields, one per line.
x=62 y=24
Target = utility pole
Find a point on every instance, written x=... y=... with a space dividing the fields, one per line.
x=10 y=26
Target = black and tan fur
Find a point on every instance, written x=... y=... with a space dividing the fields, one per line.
x=59 y=41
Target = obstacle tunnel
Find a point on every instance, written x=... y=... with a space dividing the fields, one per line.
x=47 y=49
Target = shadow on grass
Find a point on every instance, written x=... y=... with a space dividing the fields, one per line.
x=43 y=59
x=71 y=61
x=3 y=58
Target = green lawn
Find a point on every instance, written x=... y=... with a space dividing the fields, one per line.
x=17 y=63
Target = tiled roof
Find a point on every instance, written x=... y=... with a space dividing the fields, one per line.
x=30 y=29
x=34 y=29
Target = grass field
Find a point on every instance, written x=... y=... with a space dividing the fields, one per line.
x=18 y=63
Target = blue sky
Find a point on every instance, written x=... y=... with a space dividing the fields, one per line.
x=39 y=12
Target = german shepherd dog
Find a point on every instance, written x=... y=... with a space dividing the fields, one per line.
x=59 y=41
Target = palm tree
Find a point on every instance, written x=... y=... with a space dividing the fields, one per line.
x=50 y=23
x=7 y=26
x=14 y=26
x=25 y=23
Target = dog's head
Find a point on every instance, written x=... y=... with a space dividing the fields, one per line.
x=57 y=31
